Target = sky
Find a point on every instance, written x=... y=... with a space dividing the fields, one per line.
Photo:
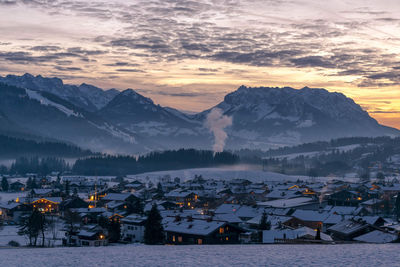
x=189 y=54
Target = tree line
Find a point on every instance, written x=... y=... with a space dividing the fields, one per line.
x=154 y=161
x=122 y=165
x=11 y=147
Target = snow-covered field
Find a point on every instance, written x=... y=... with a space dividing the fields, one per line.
x=229 y=173
x=234 y=255
x=53 y=236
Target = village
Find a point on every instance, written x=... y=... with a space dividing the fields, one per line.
x=101 y=211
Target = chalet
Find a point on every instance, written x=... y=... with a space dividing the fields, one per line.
x=120 y=197
x=72 y=203
x=132 y=228
x=90 y=235
x=134 y=186
x=310 y=218
x=88 y=215
x=13 y=211
x=46 y=205
x=17 y=186
x=42 y=193
x=373 y=205
x=345 y=198
x=300 y=235
x=294 y=203
x=349 y=229
x=185 y=199
x=199 y=231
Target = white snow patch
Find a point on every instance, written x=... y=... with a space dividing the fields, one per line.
x=44 y=101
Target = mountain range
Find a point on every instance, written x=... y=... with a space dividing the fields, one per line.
x=127 y=122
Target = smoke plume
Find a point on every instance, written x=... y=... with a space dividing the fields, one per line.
x=216 y=122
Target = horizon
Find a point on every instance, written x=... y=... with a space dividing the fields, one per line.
x=188 y=55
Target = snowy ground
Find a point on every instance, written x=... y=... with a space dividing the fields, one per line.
x=230 y=173
x=235 y=255
x=8 y=233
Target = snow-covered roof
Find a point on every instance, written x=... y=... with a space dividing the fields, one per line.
x=345 y=210
x=333 y=219
x=247 y=212
x=270 y=235
x=287 y=203
x=280 y=194
x=178 y=194
x=43 y=191
x=348 y=227
x=134 y=219
x=310 y=215
x=117 y=196
x=227 y=208
x=194 y=227
x=372 y=201
x=52 y=199
x=377 y=236
x=9 y=206
x=114 y=204
x=228 y=217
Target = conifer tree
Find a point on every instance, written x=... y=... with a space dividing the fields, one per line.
x=154 y=231
x=4 y=184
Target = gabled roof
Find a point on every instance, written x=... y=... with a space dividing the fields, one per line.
x=227 y=208
x=228 y=217
x=43 y=191
x=195 y=227
x=134 y=219
x=287 y=203
x=377 y=237
x=117 y=196
x=310 y=215
x=56 y=200
x=114 y=204
x=348 y=227
x=9 y=206
x=270 y=235
x=178 y=193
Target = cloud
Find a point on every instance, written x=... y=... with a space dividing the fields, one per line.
x=129 y=70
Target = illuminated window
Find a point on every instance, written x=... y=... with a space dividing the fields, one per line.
x=173 y=238
x=221 y=230
x=227 y=238
x=199 y=241
x=179 y=239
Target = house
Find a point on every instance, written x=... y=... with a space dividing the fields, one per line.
x=310 y=218
x=87 y=236
x=88 y=215
x=300 y=235
x=373 y=205
x=295 y=203
x=186 y=199
x=345 y=198
x=17 y=186
x=349 y=229
x=44 y=205
x=41 y=193
x=13 y=211
x=132 y=227
x=72 y=203
x=180 y=231
x=120 y=197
